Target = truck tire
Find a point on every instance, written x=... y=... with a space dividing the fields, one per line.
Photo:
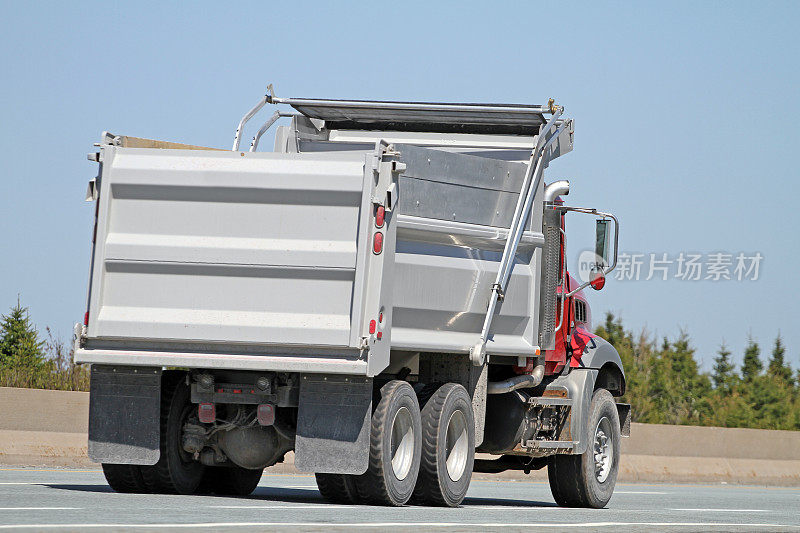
x=338 y=488
x=230 y=480
x=588 y=479
x=448 y=447
x=175 y=472
x=394 y=451
x=124 y=478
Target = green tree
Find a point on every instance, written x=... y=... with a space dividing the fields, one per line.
x=731 y=410
x=665 y=386
x=752 y=365
x=770 y=401
x=20 y=347
x=636 y=355
x=778 y=368
x=685 y=389
x=724 y=375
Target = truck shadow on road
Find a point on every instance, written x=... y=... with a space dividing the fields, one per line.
x=278 y=494
x=299 y=495
x=506 y=502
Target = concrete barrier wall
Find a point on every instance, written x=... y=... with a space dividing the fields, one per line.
x=39 y=427
x=698 y=441
x=43 y=427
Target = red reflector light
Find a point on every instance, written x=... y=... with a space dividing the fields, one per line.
x=207 y=413
x=371 y=327
x=380 y=215
x=377 y=244
x=86 y=319
x=380 y=335
x=380 y=318
x=266 y=414
x=598 y=281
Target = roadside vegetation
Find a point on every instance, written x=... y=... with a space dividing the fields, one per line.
x=31 y=361
x=665 y=384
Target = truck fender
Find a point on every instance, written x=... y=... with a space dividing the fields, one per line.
x=579 y=386
x=597 y=353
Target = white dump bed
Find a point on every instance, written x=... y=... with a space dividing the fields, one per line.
x=211 y=246
x=267 y=261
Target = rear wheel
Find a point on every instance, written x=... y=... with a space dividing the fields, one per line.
x=588 y=479
x=176 y=471
x=448 y=447
x=338 y=488
x=124 y=478
x=394 y=452
x=231 y=480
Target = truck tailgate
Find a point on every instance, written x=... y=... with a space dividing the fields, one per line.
x=226 y=248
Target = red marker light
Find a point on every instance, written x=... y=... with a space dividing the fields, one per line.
x=380 y=215
x=380 y=318
x=371 y=327
x=86 y=319
x=377 y=243
x=380 y=335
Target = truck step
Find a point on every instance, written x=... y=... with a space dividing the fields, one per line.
x=550 y=401
x=550 y=444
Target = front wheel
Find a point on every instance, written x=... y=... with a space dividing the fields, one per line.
x=588 y=479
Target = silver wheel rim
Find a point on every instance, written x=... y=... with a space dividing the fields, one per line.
x=456 y=445
x=402 y=443
x=603 y=449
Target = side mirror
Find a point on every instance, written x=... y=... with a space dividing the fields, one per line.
x=598 y=278
x=601 y=243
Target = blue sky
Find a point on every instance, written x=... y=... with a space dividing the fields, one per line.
x=686 y=123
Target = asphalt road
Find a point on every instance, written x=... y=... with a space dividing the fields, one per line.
x=79 y=500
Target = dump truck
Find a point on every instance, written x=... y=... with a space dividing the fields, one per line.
x=386 y=294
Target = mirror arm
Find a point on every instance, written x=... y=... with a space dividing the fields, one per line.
x=616 y=240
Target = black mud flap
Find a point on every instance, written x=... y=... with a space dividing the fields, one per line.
x=624 y=410
x=333 y=424
x=124 y=415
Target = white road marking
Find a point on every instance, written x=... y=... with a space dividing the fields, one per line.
x=38 y=508
x=26 y=482
x=718 y=510
x=354 y=506
x=638 y=492
x=311 y=506
x=540 y=509
x=404 y=525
